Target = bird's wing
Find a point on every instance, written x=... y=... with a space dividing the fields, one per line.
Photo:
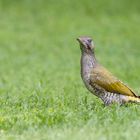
x=107 y=81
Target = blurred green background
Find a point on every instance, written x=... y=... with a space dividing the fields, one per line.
x=41 y=93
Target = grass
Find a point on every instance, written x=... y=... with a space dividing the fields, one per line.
x=41 y=93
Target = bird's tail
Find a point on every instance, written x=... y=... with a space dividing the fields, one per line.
x=134 y=99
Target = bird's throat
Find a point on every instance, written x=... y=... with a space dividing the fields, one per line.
x=88 y=62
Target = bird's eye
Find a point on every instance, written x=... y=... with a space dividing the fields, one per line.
x=89 y=40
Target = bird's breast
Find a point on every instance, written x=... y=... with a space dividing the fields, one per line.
x=88 y=63
x=85 y=74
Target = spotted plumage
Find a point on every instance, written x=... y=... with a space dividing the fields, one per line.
x=99 y=80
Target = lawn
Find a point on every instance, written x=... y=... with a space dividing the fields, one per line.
x=42 y=95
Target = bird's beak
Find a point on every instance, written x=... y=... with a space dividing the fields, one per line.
x=79 y=40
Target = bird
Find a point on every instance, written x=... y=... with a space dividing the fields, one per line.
x=101 y=82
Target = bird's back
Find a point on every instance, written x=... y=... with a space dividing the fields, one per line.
x=106 y=80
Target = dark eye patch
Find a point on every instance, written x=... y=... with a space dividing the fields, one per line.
x=89 y=40
x=88 y=43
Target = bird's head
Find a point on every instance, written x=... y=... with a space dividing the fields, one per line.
x=86 y=44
